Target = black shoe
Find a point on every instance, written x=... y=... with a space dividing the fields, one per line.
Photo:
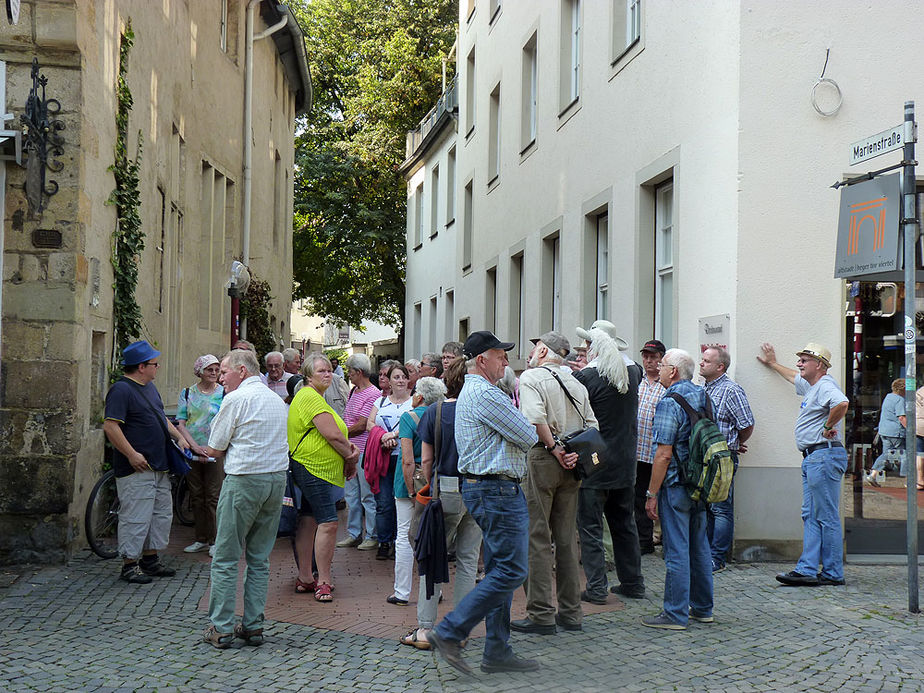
x=646 y=549
x=396 y=600
x=794 y=579
x=157 y=569
x=565 y=625
x=132 y=573
x=525 y=625
x=590 y=599
x=630 y=592
x=822 y=580
x=512 y=663
x=382 y=553
x=450 y=650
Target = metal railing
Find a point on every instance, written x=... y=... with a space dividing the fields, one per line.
x=448 y=101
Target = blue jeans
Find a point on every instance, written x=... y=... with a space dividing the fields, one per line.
x=888 y=445
x=822 y=540
x=499 y=508
x=386 y=513
x=688 y=581
x=720 y=522
x=359 y=498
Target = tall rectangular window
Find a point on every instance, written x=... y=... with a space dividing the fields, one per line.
x=279 y=210
x=528 y=97
x=494 y=134
x=418 y=328
x=223 y=28
x=434 y=200
x=431 y=336
x=161 y=249
x=468 y=226
x=603 y=267
x=470 y=93
x=490 y=299
x=494 y=6
x=451 y=186
x=627 y=25
x=550 y=282
x=664 y=263
x=418 y=216
x=216 y=234
x=515 y=311
x=575 y=48
x=569 y=52
x=450 y=317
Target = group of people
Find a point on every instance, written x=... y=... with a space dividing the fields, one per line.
x=462 y=427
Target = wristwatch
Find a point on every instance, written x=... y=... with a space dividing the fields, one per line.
x=649 y=494
x=552 y=446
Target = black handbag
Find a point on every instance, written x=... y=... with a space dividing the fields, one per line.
x=587 y=442
x=176 y=459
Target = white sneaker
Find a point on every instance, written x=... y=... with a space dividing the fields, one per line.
x=196 y=547
x=212 y=551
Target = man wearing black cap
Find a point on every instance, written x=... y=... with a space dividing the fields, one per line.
x=551 y=488
x=492 y=438
x=136 y=426
x=650 y=392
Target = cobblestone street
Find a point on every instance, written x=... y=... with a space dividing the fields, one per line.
x=78 y=628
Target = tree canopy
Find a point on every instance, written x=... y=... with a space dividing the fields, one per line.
x=376 y=68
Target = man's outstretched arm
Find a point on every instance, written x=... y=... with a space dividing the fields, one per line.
x=768 y=358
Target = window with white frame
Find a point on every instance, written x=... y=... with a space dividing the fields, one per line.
x=451 y=186
x=515 y=309
x=603 y=271
x=490 y=299
x=418 y=328
x=494 y=133
x=468 y=226
x=575 y=48
x=664 y=263
x=495 y=6
x=470 y=93
x=627 y=25
x=570 y=52
x=223 y=28
x=530 y=84
x=418 y=216
x=434 y=200
x=556 y=283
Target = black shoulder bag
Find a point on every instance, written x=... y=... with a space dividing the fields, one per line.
x=176 y=460
x=587 y=442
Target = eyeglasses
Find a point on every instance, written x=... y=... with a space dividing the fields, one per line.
x=151 y=363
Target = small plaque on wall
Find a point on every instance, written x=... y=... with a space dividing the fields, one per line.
x=47 y=238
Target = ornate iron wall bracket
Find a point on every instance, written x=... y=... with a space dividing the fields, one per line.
x=42 y=142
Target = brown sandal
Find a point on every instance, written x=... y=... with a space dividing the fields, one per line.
x=323 y=593
x=414 y=640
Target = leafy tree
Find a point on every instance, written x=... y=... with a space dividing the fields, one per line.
x=376 y=71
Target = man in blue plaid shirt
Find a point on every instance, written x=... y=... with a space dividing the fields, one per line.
x=492 y=438
x=736 y=422
x=688 y=581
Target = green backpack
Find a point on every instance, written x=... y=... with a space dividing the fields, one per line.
x=708 y=471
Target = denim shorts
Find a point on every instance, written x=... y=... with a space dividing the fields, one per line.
x=318 y=498
x=920 y=446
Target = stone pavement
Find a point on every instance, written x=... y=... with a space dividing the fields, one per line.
x=78 y=628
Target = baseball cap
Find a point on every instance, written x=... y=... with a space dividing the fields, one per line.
x=138 y=352
x=654 y=345
x=479 y=342
x=817 y=351
x=555 y=341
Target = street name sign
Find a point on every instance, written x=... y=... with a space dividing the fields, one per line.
x=881 y=143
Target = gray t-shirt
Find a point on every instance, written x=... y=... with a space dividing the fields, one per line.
x=817 y=401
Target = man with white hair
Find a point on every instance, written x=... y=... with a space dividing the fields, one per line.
x=291 y=360
x=249 y=435
x=824 y=461
x=612 y=386
x=556 y=404
x=276 y=376
x=688 y=580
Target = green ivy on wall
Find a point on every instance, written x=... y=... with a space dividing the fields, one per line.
x=128 y=236
x=254 y=304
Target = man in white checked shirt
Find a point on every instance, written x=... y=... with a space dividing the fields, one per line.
x=249 y=433
x=492 y=438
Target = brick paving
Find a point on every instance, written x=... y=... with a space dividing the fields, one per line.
x=78 y=628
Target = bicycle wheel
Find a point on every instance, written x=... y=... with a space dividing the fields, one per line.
x=182 y=503
x=101 y=520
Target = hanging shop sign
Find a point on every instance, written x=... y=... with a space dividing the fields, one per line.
x=867 y=228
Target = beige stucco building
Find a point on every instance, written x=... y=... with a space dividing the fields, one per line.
x=188 y=75
x=656 y=164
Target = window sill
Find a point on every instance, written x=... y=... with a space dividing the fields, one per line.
x=626 y=57
x=470 y=134
x=493 y=183
x=528 y=150
x=493 y=19
x=434 y=235
x=466 y=270
x=451 y=222
x=568 y=112
x=418 y=246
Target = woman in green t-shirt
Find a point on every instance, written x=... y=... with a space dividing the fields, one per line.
x=322 y=458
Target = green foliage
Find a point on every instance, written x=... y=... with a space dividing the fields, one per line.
x=339 y=354
x=376 y=71
x=128 y=236
x=254 y=304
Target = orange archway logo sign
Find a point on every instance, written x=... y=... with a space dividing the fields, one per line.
x=871 y=212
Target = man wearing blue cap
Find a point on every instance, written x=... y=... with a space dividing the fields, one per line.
x=137 y=428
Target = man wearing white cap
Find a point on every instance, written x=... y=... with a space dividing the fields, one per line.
x=824 y=461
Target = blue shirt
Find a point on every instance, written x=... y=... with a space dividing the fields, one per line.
x=672 y=425
x=731 y=408
x=817 y=402
x=137 y=408
x=492 y=436
x=893 y=406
